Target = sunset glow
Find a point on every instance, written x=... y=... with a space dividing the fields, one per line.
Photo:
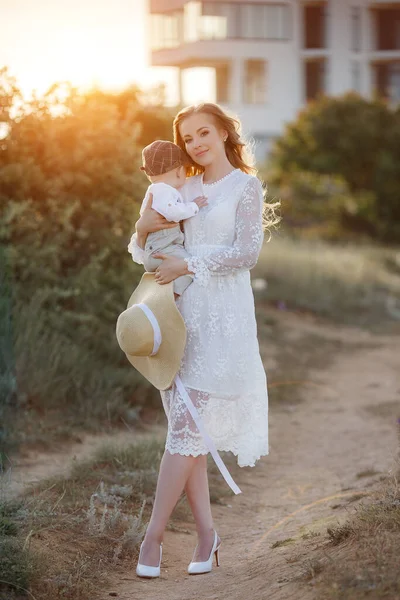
x=89 y=43
x=80 y=57
x=86 y=43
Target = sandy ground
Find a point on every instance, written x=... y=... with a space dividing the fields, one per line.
x=35 y=466
x=326 y=453
x=309 y=481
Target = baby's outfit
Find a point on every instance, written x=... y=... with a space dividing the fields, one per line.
x=168 y=202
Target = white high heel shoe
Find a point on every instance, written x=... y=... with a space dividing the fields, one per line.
x=196 y=568
x=146 y=570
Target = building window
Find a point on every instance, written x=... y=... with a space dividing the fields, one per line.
x=212 y=28
x=220 y=20
x=356 y=76
x=315 y=26
x=255 y=79
x=387 y=28
x=255 y=21
x=264 y=21
x=387 y=81
x=315 y=78
x=226 y=14
x=166 y=30
x=356 y=28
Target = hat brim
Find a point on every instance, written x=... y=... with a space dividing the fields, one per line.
x=161 y=368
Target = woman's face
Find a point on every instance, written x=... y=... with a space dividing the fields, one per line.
x=204 y=142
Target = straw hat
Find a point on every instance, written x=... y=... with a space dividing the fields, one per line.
x=136 y=336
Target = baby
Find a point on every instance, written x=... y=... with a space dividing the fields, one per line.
x=165 y=166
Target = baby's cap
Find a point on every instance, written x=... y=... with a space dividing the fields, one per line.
x=162 y=156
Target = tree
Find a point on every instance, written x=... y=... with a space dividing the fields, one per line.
x=70 y=192
x=357 y=140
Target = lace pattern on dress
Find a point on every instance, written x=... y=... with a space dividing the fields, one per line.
x=241 y=431
x=221 y=369
x=244 y=252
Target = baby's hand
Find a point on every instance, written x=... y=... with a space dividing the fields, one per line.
x=201 y=201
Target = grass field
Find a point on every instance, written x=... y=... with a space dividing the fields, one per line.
x=61 y=539
x=349 y=283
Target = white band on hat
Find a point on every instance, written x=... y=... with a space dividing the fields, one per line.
x=191 y=407
x=156 y=328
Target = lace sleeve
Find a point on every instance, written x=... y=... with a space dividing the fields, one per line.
x=136 y=251
x=249 y=235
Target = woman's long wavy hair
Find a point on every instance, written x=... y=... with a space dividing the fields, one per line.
x=237 y=150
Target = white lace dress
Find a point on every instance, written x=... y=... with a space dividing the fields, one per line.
x=221 y=367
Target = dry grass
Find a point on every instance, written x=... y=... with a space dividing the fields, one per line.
x=359 y=559
x=59 y=380
x=64 y=537
x=82 y=524
x=348 y=283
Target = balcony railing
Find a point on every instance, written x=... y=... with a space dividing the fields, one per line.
x=219 y=21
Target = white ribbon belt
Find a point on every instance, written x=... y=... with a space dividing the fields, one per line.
x=190 y=406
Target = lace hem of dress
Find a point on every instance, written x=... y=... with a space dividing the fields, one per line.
x=240 y=462
x=240 y=427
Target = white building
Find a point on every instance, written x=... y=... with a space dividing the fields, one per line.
x=271 y=57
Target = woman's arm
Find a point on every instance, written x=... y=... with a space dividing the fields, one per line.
x=170 y=268
x=135 y=249
x=140 y=238
x=149 y=221
x=249 y=236
x=242 y=255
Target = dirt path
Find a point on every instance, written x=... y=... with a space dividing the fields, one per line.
x=325 y=453
x=39 y=465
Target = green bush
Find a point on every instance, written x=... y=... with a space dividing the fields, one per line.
x=69 y=196
x=351 y=140
x=319 y=206
x=7 y=360
x=17 y=564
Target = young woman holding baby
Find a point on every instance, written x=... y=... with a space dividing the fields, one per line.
x=221 y=369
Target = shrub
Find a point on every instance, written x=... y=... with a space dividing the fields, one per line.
x=350 y=138
x=70 y=194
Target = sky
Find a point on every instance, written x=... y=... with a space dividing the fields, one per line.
x=87 y=42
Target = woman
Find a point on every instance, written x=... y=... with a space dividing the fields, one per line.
x=221 y=368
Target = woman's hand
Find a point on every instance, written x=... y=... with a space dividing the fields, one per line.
x=171 y=268
x=150 y=221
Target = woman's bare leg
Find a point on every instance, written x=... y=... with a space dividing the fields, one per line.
x=174 y=472
x=178 y=472
x=198 y=495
